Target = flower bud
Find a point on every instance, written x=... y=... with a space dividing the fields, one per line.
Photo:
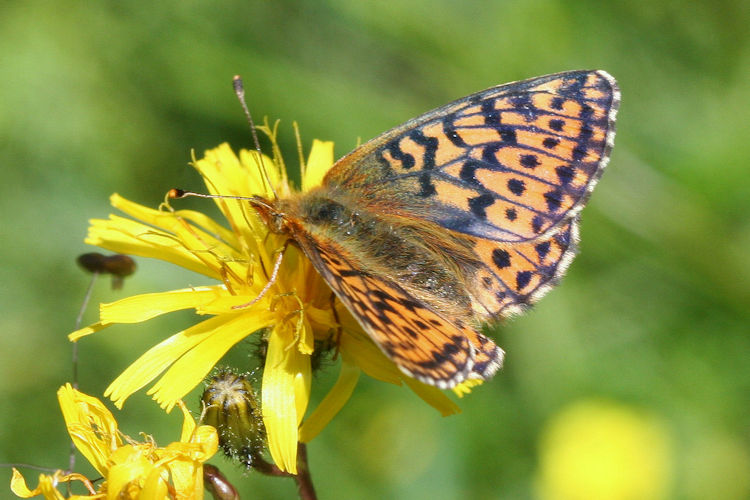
x=232 y=408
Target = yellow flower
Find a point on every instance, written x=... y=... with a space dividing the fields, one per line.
x=130 y=469
x=597 y=449
x=292 y=312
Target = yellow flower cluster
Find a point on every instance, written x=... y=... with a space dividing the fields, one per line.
x=131 y=469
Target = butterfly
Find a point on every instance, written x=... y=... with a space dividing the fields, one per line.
x=462 y=216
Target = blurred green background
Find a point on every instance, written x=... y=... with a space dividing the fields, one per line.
x=645 y=347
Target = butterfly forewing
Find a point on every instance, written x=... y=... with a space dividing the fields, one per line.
x=511 y=163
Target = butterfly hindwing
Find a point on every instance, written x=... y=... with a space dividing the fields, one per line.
x=511 y=163
x=517 y=275
x=422 y=342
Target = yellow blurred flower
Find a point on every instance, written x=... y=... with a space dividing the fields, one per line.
x=604 y=450
x=293 y=312
x=130 y=469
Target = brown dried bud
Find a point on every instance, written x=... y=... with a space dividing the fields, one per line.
x=117 y=265
x=216 y=484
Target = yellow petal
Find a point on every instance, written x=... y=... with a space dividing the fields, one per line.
x=18 y=485
x=258 y=170
x=190 y=369
x=188 y=423
x=285 y=369
x=466 y=386
x=91 y=425
x=360 y=350
x=433 y=397
x=208 y=439
x=150 y=305
x=187 y=478
x=302 y=385
x=332 y=403
x=306 y=344
x=87 y=330
x=156 y=486
x=174 y=222
x=226 y=174
x=46 y=487
x=129 y=465
x=158 y=358
x=167 y=236
x=227 y=303
x=318 y=163
x=205 y=222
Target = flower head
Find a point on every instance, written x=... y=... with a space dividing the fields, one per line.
x=286 y=300
x=130 y=469
x=601 y=449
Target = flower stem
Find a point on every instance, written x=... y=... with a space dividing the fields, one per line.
x=303 y=478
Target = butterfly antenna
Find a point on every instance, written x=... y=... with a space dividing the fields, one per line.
x=176 y=194
x=300 y=152
x=239 y=90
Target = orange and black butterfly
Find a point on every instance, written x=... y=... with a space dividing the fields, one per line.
x=464 y=215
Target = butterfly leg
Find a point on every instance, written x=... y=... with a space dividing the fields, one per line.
x=271 y=280
x=337 y=334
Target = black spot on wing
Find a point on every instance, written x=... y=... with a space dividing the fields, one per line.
x=587 y=112
x=536 y=224
x=556 y=125
x=565 y=173
x=409 y=331
x=489 y=153
x=542 y=249
x=490 y=114
x=430 y=145
x=516 y=186
x=449 y=129
x=554 y=200
x=426 y=187
x=529 y=161
x=523 y=104
x=507 y=134
x=501 y=258
x=585 y=133
x=522 y=279
x=468 y=172
x=478 y=205
x=406 y=159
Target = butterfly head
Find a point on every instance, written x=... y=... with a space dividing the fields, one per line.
x=271 y=214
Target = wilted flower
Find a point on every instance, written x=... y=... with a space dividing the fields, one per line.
x=130 y=469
